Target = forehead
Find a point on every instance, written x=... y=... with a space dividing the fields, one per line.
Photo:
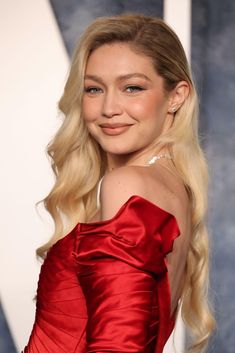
x=118 y=58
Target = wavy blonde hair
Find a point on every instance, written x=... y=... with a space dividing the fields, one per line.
x=78 y=161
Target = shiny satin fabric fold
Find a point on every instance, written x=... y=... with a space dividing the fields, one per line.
x=104 y=286
x=61 y=314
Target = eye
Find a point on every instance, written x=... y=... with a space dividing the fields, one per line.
x=133 y=89
x=92 y=90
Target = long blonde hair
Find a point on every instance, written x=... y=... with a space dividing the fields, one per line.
x=78 y=161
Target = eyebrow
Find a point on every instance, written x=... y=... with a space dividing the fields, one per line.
x=119 y=78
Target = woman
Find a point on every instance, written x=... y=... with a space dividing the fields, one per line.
x=129 y=202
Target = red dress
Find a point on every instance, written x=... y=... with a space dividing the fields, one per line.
x=104 y=287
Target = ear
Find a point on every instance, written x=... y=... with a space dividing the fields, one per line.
x=178 y=96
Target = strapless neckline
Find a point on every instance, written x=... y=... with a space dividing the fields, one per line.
x=122 y=207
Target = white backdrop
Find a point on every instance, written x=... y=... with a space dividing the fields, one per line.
x=33 y=68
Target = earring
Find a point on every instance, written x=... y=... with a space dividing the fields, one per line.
x=173 y=109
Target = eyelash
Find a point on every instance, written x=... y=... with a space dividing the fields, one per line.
x=134 y=88
x=89 y=89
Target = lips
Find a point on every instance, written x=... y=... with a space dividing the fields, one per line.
x=114 y=129
x=113 y=126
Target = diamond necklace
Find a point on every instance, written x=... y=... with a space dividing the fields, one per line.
x=155 y=158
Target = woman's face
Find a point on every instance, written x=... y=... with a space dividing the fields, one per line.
x=124 y=103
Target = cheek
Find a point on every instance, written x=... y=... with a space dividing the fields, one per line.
x=146 y=108
x=89 y=110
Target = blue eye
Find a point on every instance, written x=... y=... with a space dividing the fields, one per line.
x=132 y=89
x=92 y=90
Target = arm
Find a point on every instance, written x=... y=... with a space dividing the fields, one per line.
x=119 y=185
x=119 y=308
x=120 y=305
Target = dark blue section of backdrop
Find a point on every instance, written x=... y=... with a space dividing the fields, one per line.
x=74 y=16
x=6 y=343
x=213 y=60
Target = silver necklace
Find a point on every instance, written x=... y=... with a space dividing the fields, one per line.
x=155 y=158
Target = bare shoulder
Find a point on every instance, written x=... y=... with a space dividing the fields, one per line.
x=117 y=187
x=156 y=185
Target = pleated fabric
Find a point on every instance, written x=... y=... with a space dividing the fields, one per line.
x=104 y=287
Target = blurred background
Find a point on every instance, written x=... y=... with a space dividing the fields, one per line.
x=37 y=40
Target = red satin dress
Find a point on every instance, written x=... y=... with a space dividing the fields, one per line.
x=104 y=287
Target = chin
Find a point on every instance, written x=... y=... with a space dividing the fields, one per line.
x=115 y=145
x=118 y=150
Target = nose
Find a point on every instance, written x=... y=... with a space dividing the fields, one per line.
x=111 y=104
